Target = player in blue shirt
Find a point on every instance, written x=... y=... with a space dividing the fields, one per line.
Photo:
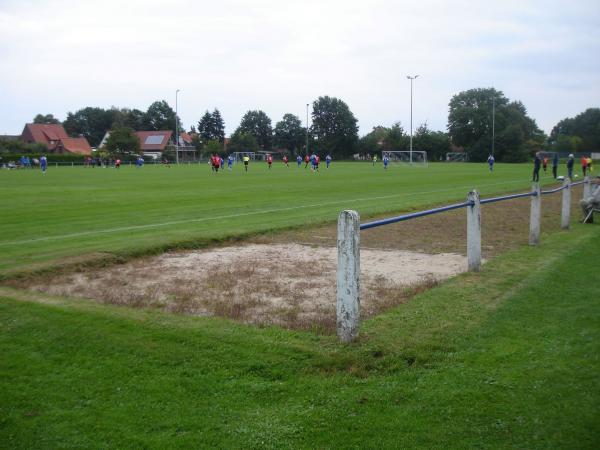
x=491 y=161
x=229 y=162
x=43 y=164
x=328 y=160
x=299 y=160
x=386 y=161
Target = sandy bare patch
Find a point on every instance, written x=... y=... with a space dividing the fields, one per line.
x=286 y=284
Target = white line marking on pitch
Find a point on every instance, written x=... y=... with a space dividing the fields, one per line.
x=231 y=216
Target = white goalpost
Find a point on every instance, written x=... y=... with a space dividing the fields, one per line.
x=457 y=157
x=419 y=158
x=239 y=156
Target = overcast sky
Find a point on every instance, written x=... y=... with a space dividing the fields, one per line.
x=60 y=56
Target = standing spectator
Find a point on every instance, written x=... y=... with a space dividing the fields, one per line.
x=537 y=162
x=570 y=163
x=555 y=165
x=584 y=165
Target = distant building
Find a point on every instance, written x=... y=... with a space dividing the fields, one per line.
x=55 y=138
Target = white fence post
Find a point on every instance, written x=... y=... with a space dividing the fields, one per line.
x=587 y=187
x=536 y=215
x=348 y=276
x=566 y=205
x=474 y=232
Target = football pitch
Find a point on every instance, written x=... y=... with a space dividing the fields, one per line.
x=74 y=214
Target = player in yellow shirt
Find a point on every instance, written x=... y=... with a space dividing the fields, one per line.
x=246 y=161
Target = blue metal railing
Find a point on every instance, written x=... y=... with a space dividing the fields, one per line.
x=378 y=223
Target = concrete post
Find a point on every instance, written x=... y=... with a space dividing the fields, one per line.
x=348 y=281
x=536 y=215
x=566 y=205
x=587 y=187
x=474 y=232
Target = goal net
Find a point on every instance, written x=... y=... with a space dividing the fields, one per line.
x=404 y=157
x=457 y=157
x=239 y=156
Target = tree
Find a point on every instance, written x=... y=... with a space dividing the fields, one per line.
x=131 y=118
x=584 y=126
x=373 y=141
x=160 y=116
x=122 y=141
x=435 y=143
x=334 y=127
x=92 y=123
x=470 y=126
x=242 y=142
x=257 y=124
x=218 y=126
x=212 y=127
x=45 y=118
x=396 y=138
x=290 y=134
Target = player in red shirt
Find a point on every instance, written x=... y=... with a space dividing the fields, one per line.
x=269 y=161
x=317 y=161
x=285 y=160
x=545 y=164
x=306 y=160
x=216 y=162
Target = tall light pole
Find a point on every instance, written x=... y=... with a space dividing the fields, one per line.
x=307 y=128
x=411 y=102
x=176 y=130
x=493 y=123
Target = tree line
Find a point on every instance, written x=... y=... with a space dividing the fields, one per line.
x=478 y=120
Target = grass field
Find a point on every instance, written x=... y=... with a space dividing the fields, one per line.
x=75 y=214
x=505 y=358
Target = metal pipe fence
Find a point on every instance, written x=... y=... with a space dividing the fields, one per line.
x=348 y=243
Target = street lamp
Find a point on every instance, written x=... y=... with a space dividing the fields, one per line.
x=307 y=128
x=493 y=123
x=176 y=130
x=411 y=102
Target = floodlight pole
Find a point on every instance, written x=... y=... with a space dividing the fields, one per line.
x=176 y=130
x=307 y=128
x=411 y=115
x=493 y=123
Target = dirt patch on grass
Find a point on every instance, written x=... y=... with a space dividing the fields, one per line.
x=285 y=284
x=289 y=278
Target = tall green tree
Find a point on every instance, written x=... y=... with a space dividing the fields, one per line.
x=242 y=142
x=160 y=116
x=45 y=118
x=211 y=127
x=90 y=122
x=580 y=133
x=290 y=134
x=334 y=127
x=373 y=141
x=218 y=126
x=396 y=138
x=122 y=141
x=470 y=126
x=435 y=143
x=257 y=124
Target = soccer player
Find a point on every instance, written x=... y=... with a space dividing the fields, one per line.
x=328 y=160
x=246 y=160
x=316 y=162
x=374 y=160
x=43 y=163
x=555 y=165
x=386 y=161
x=230 y=162
x=589 y=164
x=584 y=165
x=222 y=161
x=285 y=160
x=545 y=163
x=570 y=163
x=307 y=159
x=117 y=163
x=216 y=162
x=490 y=162
x=269 y=161
x=536 y=167
x=299 y=160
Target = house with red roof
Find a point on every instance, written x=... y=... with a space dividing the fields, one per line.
x=55 y=138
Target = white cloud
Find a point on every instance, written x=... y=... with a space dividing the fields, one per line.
x=59 y=56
